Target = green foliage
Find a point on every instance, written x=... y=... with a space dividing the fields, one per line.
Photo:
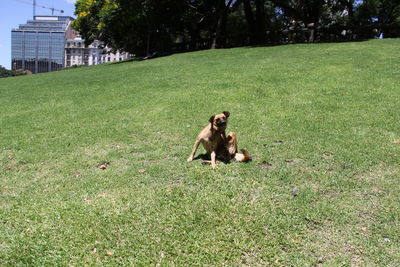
x=133 y=26
x=9 y=73
x=145 y=26
x=320 y=120
x=368 y=11
x=382 y=11
x=88 y=21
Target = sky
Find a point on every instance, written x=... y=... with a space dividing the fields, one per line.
x=15 y=12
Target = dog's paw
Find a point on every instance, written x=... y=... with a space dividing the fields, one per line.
x=190 y=159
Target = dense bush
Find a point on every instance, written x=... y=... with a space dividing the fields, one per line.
x=8 y=73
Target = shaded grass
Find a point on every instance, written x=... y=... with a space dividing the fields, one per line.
x=321 y=119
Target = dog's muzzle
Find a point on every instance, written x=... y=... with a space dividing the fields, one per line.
x=221 y=124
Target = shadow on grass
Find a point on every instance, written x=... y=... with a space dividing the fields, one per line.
x=166 y=54
x=125 y=61
x=206 y=157
x=305 y=43
x=152 y=56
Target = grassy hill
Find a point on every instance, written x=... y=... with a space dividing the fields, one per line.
x=321 y=121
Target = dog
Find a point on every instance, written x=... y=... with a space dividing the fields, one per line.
x=217 y=144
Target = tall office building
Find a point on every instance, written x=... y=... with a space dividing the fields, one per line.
x=39 y=44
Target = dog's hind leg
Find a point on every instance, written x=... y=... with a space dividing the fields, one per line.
x=233 y=149
x=231 y=144
x=243 y=157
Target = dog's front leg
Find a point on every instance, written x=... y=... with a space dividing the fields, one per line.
x=213 y=159
x=196 y=145
x=223 y=136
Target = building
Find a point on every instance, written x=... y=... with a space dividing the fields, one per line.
x=39 y=44
x=49 y=43
x=76 y=53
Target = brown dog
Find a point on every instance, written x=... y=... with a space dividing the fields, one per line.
x=217 y=144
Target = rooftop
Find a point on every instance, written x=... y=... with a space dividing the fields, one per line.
x=46 y=23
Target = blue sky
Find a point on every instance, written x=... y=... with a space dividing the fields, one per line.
x=15 y=12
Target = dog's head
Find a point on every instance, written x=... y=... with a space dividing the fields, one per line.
x=219 y=121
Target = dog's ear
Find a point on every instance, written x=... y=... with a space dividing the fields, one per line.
x=226 y=113
x=211 y=119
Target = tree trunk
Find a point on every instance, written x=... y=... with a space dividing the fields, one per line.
x=214 y=42
x=194 y=37
x=215 y=34
x=221 y=41
x=148 y=41
x=219 y=32
x=260 y=22
x=256 y=27
x=250 y=21
x=350 y=8
x=311 y=38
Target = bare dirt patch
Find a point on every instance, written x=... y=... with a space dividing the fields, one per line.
x=266 y=165
x=327 y=155
x=294 y=162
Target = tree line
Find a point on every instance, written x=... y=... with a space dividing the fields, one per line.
x=9 y=73
x=146 y=26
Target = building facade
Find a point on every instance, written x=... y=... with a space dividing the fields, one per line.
x=38 y=45
x=76 y=53
x=49 y=43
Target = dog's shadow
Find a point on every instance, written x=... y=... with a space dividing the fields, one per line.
x=206 y=157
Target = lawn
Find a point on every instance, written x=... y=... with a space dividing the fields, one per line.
x=321 y=121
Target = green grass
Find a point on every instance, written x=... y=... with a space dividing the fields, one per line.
x=320 y=119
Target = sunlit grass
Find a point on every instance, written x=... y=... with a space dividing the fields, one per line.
x=321 y=122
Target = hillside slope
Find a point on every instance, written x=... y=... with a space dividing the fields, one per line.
x=321 y=121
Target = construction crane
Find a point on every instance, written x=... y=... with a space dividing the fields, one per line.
x=34 y=4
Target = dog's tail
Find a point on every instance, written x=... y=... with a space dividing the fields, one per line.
x=243 y=157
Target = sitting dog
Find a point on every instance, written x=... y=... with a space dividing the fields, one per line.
x=217 y=144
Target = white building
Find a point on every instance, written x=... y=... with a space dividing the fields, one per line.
x=77 y=54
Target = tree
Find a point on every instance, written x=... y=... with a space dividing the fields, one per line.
x=380 y=11
x=136 y=26
x=256 y=22
x=308 y=12
x=9 y=73
x=146 y=26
